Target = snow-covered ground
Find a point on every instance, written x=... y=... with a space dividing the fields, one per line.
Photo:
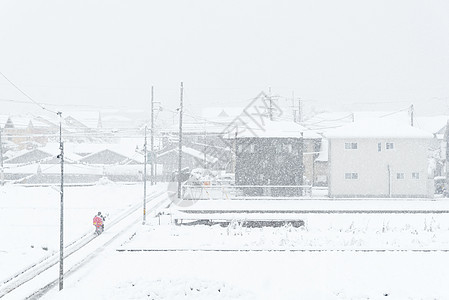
x=334 y=256
x=137 y=271
x=30 y=218
x=260 y=275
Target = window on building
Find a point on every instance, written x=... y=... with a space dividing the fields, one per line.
x=350 y=145
x=351 y=176
x=379 y=147
x=415 y=175
x=389 y=146
x=399 y=175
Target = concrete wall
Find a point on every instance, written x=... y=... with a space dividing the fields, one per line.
x=377 y=170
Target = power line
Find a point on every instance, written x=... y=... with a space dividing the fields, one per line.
x=395 y=112
x=26 y=95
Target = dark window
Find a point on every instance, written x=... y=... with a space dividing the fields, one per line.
x=352 y=146
x=351 y=176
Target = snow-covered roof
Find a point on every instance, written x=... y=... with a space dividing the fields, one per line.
x=276 y=129
x=55 y=169
x=220 y=113
x=86 y=117
x=192 y=152
x=3 y=119
x=327 y=121
x=40 y=152
x=124 y=149
x=432 y=124
x=108 y=156
x=199 y=126
x=378 y=128
x=23 y=121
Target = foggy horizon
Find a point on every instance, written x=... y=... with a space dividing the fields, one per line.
x=348 y=55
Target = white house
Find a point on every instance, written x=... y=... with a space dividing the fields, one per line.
x=379 y=158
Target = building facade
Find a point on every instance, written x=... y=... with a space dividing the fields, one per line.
x=379 y=163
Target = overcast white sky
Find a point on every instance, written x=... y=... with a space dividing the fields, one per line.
x=109 y=53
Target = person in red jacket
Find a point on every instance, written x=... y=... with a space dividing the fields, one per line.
x=98 y=222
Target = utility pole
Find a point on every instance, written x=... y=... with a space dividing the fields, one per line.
x=234 y=152
x=301 y=165
x=2 y=172
x=144 y=177
x=61 y=227
x=411 y=114
x=271 y=104
x=299 y=111
x=180 y=142
x=446 y=137
x=152 y=136
x=293 y=107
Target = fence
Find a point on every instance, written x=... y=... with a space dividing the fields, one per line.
x=228 y=192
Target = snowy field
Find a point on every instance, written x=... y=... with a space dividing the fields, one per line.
x=334 y=256
x=29 y=218
x=261 y=275
x=206 y=262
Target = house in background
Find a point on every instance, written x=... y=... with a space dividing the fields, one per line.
x=40 y=156
x=26 y=131
x=120 y=163
x=379 y=158
x=167 y=160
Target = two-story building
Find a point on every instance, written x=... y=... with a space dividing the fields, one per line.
x=273 y=155
x=379 y=158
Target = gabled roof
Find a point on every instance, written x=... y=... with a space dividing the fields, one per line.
x=83 y=118
x=39 y=155
x=107 y=157
x=221 y=113
x=23 y=121
x=190 y=151
x=28 y=156
x=3 y=119
x=128 y=149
